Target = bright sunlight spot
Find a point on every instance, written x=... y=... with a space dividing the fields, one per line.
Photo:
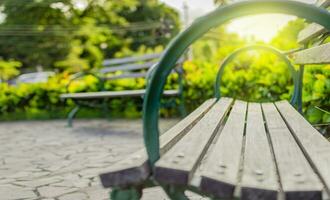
x=260 y=27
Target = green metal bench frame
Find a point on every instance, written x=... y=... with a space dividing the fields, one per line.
x=102 y=103
x=284 y=58
x=181 y=43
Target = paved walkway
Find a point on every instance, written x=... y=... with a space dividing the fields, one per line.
x=45 y=160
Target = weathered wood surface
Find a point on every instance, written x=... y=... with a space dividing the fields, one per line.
x=297 y=177
x=259 y=178
x=129 y=67
x=219 y=174
x=118 y=61
x=113 y=94
x=316 y=147
x=173 y=135
x=311 y=31
x=209 y=150
x=134 y=170
x=315 y=55
x=178 y=164
x=323 y=3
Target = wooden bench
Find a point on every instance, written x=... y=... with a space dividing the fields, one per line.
x=228 y=148
x=128 y=68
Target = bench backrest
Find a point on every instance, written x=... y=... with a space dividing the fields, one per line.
x=314 y=51
x=133 y=67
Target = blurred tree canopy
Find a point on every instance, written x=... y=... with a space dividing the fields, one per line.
x=78 y=34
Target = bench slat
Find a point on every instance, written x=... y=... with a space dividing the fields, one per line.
x=113 y=94
x=312 y=142
x=311 y=31
x=298 y=179
x=178 y=164
x=123 y=76
x=323 y=3
x=316 y=55
x=259 y=168
x=118 y=61
x=135 y=169
x=219 y=172
x=128 y=67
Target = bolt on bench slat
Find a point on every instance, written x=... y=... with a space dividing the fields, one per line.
x=178 y=164
x=259 y=179
x=219 y=175
x=135 y=169
x=315 y=146
x=297 y=177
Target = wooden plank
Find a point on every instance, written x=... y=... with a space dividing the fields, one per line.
x=323 y=3
x=297 y=177
x=113 y=94
x=178 y=164
x=316 y=55
x=259 y=179
x=135 y=169
x=219 y=173
x=128 y=67
x=311 y=31
x=128 y=75
x=315 y=146
x=118 y=61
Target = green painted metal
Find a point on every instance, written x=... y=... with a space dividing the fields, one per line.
x=300 y=87
x=126 y=194
x=232 y=56
x=177 y=47
x=175 y=192
x=72 y=114
x=79 y=104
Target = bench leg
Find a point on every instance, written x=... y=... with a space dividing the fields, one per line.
x=182 y=109
x=128 y=194
x=72 y=114
x=175 y=193
x=105 y=109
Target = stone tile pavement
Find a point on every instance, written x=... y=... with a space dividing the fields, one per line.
x=45 y=160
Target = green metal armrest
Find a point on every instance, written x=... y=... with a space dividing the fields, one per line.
x=198 y=29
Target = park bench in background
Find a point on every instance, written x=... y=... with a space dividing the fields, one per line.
x=129 y=68
x=229 y=148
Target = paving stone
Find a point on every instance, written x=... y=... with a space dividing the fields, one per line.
x=39 y=182
x=14 y=193
x=52 y=191
x=74 y=196
x=45 y=160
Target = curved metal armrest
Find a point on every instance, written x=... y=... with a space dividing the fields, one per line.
x=177 y=47
x=232 y=56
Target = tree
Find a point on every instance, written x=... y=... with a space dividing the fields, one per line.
x=60 y=33
x=35 y=32
x=8 y=69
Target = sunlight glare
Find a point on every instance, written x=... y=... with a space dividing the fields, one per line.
x=260 y=27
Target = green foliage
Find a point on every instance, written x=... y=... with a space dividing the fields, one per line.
x=9 y=69
x=32 y=28
x=72 y=36
x=94 y=35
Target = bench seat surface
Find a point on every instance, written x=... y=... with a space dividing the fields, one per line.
x=113 y=94
x=229 y=148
